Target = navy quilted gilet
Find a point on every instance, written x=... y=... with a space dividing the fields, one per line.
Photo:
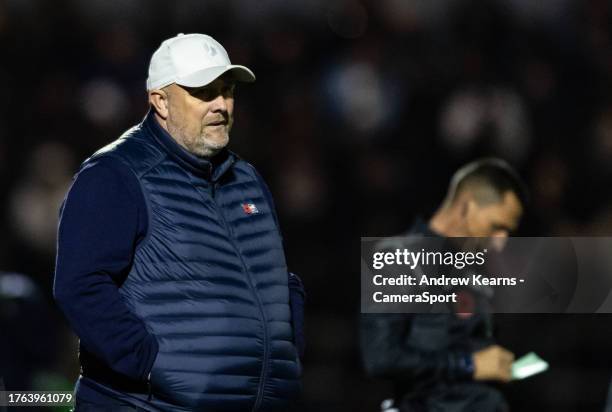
x=209 y=280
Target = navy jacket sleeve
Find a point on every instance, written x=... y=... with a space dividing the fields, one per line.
x=102 y=219
x=387 y=350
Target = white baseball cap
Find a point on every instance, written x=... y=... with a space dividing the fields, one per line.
x=192 y=60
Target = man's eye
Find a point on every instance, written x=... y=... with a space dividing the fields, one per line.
x=208 y=93
x=203 y=93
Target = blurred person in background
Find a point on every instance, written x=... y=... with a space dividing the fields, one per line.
x=443 y=361
x=170 y=264
x=34 y=202
x=39 y=194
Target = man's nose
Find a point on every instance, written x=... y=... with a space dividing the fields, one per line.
x=219 y=104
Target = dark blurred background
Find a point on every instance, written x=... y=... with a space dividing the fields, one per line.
x=360 y=113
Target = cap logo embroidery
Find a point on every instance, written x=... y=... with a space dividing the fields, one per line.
x=210 y=50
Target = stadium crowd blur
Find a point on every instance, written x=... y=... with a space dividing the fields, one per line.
x=360 y=113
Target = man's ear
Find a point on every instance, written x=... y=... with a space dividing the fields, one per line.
x=158 y=99
x=467 y=206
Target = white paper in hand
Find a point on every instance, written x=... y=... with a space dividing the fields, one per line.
x=528 y=365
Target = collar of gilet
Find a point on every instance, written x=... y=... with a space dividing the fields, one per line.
x=211 y=169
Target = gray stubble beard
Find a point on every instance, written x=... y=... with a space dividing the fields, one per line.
x=196 y=146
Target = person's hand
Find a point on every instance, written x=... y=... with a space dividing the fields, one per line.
x=493 y=363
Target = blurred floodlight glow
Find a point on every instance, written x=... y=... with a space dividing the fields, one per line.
x=470 y=112
x=14 y=285
x=360 y=96
x=104 y=102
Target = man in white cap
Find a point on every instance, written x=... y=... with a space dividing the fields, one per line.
x=170 y=264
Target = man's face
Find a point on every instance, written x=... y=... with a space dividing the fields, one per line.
x=495 y=220
x=200 y=119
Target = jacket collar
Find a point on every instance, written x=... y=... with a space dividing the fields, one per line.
x=421 y=227
x=211 y=169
